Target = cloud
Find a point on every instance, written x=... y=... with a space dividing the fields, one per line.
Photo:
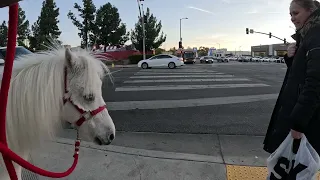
x=252 y=12
x=226 y=1
x=256 y=12
x=202 y=10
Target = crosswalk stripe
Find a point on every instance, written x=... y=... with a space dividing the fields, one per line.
x=185 y=80
x=185 y=87
x=178 y=73
x=180 y=76
x=161 y=104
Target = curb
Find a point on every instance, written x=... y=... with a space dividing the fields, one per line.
x=146 y=153
x=122 y=66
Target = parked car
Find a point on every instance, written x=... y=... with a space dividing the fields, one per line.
x=206 y=59
x=161 y=60
x=222 y=59
x=20 y=50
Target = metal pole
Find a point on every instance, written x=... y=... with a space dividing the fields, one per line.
x=180 y=31
x=144 y=35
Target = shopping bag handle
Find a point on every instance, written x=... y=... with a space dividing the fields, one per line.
x=295 y=145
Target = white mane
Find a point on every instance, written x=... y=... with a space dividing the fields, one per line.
x=36 y=95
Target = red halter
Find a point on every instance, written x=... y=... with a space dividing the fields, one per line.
x=85 y=115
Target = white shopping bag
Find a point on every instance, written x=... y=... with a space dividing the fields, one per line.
x=283 y=164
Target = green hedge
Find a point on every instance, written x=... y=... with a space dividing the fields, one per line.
x=134 y=59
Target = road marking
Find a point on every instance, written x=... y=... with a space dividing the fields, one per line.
x=185 y=87
x=163 y=104
x=111 y=72
x=180 y=76
x=177 y=73
x=185 y=80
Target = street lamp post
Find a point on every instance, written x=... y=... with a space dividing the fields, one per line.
x=141 y=12
x=144 y=35
x=180 y=27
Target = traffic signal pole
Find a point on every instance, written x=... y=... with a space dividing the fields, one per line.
x=269 y=34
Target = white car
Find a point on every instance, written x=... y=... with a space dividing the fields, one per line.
x=206 y=59
x=161 y=60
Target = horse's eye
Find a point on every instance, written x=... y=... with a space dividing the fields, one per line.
x=89 y=97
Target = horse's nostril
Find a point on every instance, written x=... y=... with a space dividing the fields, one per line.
x=111 y=137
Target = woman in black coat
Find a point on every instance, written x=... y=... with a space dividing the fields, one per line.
x=297 y=109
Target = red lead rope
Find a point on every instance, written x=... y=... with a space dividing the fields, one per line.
x=7 y=154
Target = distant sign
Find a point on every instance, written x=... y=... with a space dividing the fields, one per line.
x=194 y=49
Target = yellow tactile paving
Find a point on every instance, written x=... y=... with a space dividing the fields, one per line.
x=248 y=173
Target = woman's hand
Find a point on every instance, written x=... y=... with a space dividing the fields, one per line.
x=291 y=50
x=296 y=134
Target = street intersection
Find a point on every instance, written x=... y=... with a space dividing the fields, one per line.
x=201 y=121
x=227 y=99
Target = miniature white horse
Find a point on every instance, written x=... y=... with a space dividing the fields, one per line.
x=49 y=88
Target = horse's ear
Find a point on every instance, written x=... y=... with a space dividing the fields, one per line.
x=69 y=57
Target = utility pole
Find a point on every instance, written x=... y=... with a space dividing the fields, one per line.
x=180 y=30
x=144 y=34
x=141 y=13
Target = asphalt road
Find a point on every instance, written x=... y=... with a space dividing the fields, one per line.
x=229 y=98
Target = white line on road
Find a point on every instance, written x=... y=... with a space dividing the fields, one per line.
x=177 y=71
x=115 y=71
x=162 y=104
x=181 y=76
x=184 y=87
x=198 y=73
x=185 y=80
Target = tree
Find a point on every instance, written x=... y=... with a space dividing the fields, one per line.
x=86 y=27
x=45 y=29
x=159 y=51
x=108 y=27
x=173 y=50
x=3 y=34
x=203 y=51
x=33 y=39
x=23 y=27
x=152 y=30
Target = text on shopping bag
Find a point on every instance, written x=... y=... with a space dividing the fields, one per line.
x=282 y=171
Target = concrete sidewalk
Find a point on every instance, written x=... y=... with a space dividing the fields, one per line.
x=103 y=163
x=158 y=156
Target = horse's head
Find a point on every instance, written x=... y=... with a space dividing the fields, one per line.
x=84 y=106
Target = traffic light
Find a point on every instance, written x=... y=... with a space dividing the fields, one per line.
x=247 y=30
x=180 y=44
x=285 y=41
x=270 y=35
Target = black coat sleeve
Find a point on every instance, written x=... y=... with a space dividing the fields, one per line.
x=288 y=60
x=309 y=96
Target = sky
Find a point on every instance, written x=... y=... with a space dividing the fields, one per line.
x=210 y=23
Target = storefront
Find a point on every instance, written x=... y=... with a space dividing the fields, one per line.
x=269 y=50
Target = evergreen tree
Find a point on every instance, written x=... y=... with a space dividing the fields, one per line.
x=23 y=27
x=3 y=34
x=45 y=29
x=86 y=27
x=153 y=38
x=109 y=30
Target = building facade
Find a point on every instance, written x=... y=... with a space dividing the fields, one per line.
x=269 y=50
